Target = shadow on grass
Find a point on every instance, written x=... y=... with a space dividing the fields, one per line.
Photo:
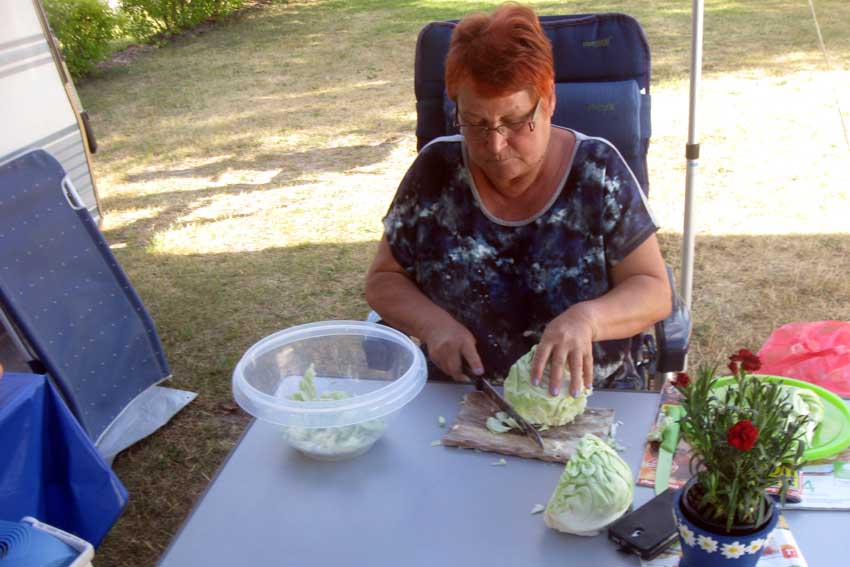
x=293 y=166
x=301 y=69
x=223 y=102
x=288 y=170
x=750 y=36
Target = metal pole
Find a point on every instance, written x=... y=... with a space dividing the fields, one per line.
x=692 y=154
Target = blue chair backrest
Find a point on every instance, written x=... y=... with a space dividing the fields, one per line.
x=602 y=72
x=66 y=293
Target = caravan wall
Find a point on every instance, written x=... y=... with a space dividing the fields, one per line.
x=36 y=110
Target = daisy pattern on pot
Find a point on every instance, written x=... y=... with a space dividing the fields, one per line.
x=707 y=543
x=733 y=550
x=755 y=545
x=687 y=535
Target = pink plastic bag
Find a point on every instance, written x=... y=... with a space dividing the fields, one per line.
x=816 y=352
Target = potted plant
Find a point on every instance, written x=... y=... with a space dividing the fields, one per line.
x=745 y=437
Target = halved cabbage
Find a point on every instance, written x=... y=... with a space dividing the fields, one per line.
x=595 y=489
x=807 y=402
x=535 y=403
x=803 y=402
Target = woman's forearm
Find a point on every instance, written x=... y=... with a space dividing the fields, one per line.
x=401 y=304
x=628 y=309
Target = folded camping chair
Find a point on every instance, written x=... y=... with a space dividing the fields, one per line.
x=602 y=72
x=70 y=309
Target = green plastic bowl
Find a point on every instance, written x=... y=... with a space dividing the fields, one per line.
x=833 y=434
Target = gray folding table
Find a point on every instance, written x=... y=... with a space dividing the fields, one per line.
x=407 y=503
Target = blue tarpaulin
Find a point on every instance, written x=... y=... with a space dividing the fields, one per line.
x=49 y=468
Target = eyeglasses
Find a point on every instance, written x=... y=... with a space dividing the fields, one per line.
x=480 y=132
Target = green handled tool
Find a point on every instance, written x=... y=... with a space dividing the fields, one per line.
x=669 y=442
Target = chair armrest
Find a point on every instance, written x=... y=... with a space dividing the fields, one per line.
x=673 y=334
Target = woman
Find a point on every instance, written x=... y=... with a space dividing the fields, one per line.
x=518 y=232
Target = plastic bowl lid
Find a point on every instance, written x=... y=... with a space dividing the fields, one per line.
x=375 y=404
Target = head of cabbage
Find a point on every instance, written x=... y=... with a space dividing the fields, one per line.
x=595 y=489
x=804 y=402
x=534 y=403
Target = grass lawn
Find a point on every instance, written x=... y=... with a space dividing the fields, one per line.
x=244 y=171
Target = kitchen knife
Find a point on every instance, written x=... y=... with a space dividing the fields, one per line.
x=667 y=448
x=485 y=386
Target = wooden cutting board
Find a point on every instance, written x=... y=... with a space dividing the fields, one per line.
x=470 y=431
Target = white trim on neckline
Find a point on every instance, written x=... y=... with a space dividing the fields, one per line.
x=579 y=138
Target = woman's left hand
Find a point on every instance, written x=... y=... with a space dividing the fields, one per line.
x=567 y=342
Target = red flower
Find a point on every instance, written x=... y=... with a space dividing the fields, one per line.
x=733 y=366
x=748 y=360
x=743 y=435
x=682 y=380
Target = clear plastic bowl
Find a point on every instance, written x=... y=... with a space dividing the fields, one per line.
x=378 y=368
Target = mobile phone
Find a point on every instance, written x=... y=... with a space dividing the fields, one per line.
x=648 y=530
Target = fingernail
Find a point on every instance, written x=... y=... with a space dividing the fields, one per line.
x=575 y=393
x=479 y=371
x=555 y=391
x=535 y=381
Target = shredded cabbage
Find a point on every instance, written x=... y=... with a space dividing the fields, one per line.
x=497 y=426
x=330 y=442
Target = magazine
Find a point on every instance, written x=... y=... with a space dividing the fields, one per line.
x=825 y=487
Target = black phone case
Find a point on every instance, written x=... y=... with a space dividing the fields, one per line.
x=648 y=530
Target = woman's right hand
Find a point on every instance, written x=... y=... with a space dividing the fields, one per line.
x=449 y=345
x=391 y=292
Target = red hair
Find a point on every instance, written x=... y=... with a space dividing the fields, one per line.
x=501 y=53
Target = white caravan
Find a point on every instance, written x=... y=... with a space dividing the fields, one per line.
x=39 y=107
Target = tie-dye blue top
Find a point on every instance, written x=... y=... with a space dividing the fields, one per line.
x=505 y=280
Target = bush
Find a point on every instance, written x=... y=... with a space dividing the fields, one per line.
x=84 y=29
x=149 y=18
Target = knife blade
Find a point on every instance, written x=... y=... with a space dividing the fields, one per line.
x=667 y=448
x=487 y=388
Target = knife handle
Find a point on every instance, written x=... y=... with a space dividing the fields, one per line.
x=670 y=435
x=476 y=379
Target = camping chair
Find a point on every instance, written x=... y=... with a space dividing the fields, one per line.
x=602 y=72
x=71 y=311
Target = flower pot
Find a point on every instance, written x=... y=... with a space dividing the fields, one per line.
x=705 y=543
